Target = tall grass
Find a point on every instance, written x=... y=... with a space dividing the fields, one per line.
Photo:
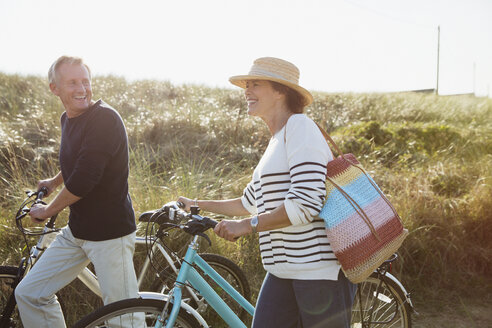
x=431 y=155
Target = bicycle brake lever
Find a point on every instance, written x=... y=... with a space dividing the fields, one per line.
x=20 y=217
x=198 y=228
x=22 y=213
x=201 y=234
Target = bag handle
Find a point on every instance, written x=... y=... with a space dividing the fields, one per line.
x=330 y=140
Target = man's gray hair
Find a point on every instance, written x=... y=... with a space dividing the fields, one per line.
x=65 y=60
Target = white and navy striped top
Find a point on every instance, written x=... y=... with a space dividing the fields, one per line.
x=292 y=172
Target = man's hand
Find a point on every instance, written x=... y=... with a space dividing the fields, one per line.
x=51 y=184
x=39 y=213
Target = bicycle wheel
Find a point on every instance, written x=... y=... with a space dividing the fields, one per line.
x=128 y=313
x=227 y=269
x=388 y=309
x=8 y=275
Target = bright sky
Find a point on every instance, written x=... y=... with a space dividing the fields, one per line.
x=339 y=45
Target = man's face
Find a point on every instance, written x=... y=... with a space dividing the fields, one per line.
x=73 y=87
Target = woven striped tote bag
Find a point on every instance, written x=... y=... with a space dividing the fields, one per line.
x=363 y=227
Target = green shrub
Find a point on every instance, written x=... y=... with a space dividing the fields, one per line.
x=449 y=185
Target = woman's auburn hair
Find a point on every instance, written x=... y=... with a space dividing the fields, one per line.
x=293 y=99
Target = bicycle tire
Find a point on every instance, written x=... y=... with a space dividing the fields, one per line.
x=152 y=308
x=227 y=269
x=389 y=309
x=8 y=276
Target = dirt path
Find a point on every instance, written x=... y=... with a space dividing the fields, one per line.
x=460 y=313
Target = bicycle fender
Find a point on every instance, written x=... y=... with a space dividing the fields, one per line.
x=399 y=284
x=165 y=298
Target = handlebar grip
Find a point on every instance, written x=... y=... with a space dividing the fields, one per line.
x=42 y=192
x=210 y=222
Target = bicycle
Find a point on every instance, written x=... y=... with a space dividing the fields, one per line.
x=10 y=276
x=169 y=310
x=382 y=301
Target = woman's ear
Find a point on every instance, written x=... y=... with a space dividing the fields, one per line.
x=278 y=95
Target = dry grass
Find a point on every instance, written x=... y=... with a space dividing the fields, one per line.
x=431 y=155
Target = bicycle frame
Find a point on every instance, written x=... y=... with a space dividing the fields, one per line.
x=187 y=273
x=145 y=266
x=90 y=280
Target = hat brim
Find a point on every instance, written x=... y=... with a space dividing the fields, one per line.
x=240 y=81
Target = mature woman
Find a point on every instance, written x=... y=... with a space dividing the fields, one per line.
x=304 y=286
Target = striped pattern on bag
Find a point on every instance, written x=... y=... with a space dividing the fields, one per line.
x=363 y=228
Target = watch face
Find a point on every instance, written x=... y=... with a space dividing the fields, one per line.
x=254 y=223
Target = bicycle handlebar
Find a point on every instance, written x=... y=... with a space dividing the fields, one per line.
x=39 y=200
x=173 y=214
x=24 y=210
x=41 y=193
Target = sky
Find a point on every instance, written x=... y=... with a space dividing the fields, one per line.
x=338 y=45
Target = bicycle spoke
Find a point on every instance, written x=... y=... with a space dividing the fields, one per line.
x=378 y=304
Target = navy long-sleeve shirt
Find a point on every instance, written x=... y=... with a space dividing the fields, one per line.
x=94 y=165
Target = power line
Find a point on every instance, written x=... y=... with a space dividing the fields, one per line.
x=381 y=13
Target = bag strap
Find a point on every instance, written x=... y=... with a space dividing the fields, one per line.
x=357 y=208
x=329 y=140
x=347 y=196
x=354 y=204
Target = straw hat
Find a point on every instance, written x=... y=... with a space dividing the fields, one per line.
x=274 y=69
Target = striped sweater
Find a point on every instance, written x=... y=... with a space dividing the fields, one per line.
x=292 y=172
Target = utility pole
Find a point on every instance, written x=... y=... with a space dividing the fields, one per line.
x=438 y=44
x=474 y=78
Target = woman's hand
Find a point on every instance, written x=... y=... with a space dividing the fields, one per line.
x=231 y=230
x=187 y=202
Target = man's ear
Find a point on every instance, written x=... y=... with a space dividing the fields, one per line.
x=53 y=89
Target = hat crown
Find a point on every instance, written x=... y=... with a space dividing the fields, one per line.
x=275 y=68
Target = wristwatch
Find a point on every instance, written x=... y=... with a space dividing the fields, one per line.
x=254 y=223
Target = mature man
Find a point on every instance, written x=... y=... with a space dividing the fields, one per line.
x=101 y=226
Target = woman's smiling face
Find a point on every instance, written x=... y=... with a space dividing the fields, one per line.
x=260 y=96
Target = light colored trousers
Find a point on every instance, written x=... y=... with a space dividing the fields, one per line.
x=62 y=262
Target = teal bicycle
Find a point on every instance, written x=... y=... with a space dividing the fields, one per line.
x=171 y=310
x=381 y=300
